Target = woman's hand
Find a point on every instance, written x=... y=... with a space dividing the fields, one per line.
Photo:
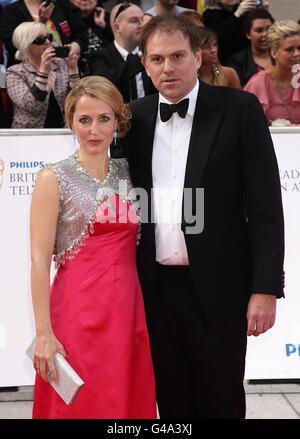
x=244 y=6
x=74 y=48
x=72 y=61
x=99 y=17
x=45 y=12
x=45 y=349
x=46 y=58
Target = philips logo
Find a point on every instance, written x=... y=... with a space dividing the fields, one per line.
x=26 y=165
x=292 y=349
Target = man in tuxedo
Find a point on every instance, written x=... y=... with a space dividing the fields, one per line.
x=120 y=61
x=205 y=288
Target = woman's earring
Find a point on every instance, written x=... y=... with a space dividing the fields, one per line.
x=115 y=135
x=74 y=139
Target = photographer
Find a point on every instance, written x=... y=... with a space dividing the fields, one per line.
x=62 y=18
x=226 y=18
x=100 y=34
x=39 y=84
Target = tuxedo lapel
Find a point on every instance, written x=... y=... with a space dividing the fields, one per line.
x=140 y=163
x=145 y=120
x=207 y=118
x=115 y=54
x=149 y=139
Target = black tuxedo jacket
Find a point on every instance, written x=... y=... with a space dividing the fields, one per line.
x=231 y=156
x=108 y=62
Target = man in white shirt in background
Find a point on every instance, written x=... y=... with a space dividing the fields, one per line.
x=120 y=61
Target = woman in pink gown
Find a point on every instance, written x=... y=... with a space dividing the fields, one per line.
x=85 y=209
x=278 y=88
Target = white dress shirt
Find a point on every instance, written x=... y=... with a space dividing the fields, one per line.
x=170 y=150
x=138 y=78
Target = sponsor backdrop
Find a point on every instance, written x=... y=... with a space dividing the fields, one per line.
x=274 y=355
x=21 y=156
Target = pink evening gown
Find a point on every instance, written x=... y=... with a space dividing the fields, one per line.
x=97 y=313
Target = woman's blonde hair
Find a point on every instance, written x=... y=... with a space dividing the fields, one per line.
x=100 y=88
x=280 y=30
x=23 y=36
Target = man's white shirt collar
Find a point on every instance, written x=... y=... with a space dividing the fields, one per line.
x=125 y=52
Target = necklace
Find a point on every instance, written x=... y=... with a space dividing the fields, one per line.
x=81 y=168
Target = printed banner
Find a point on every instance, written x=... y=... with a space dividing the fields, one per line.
x=276 y=354
x=22 y=153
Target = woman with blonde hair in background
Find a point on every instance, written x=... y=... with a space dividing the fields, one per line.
x=61 y=17
x=211 y=71
x=38 y=86
x=85 y=212
x=277 y=88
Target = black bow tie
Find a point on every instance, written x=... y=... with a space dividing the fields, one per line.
x=166 y=110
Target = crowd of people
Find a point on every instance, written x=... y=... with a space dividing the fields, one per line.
x=236 y=39
x=154 y=99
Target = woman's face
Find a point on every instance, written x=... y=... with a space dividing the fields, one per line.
x=210 y=52
x=38 y=45
x=258 y=33
x=289 y=52
x=94 y=122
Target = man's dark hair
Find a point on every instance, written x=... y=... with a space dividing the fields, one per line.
x=169 y=24
x=256 y=14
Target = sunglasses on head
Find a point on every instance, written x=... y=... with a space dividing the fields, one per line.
x=40 y=40
x=122 y=8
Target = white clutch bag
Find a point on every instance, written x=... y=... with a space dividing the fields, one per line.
x=69 y=382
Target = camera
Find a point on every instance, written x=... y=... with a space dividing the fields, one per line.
x=259 y=3
x=62 y=51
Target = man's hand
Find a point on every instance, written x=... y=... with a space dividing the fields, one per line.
x=261 y=313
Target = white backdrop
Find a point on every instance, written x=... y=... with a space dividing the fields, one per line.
x=273 y=355
x=21 y=152
x=276 y=354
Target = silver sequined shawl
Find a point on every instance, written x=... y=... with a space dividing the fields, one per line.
x=79 y=196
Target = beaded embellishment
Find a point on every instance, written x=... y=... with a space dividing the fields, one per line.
x=80 y=194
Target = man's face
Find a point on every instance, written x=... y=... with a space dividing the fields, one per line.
x=171 y=64
x=129 y=24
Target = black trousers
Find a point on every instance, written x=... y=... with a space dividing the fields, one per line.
x=199 y=370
